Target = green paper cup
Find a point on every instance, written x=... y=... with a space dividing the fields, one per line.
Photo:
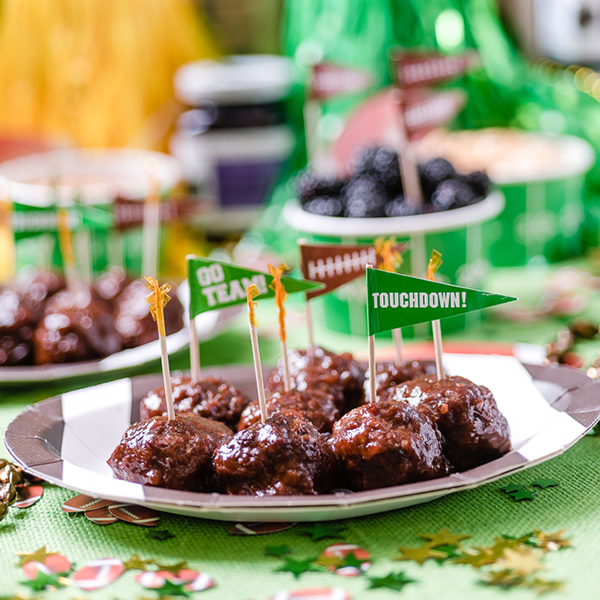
x=457 y=234
x=542 y=178
x=97 y=177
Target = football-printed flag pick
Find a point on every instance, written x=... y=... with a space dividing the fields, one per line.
x=215 y=284
x=421 y=69
x=334 y=265
x=330 y=80
x=395 y=300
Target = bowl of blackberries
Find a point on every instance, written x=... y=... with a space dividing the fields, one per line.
x=374 y=190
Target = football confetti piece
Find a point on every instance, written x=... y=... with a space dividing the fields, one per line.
x=101 y=516
x=28 y=495
x=313 y=594
x=392 y=581
x=134 y=514
x=54 y=564
x=192 y=581
x=346 y=560
x=98 y=574
x=259 y=528
x=40 y=555
x=83 y=503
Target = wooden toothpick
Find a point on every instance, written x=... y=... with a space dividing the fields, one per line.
x=252 y=292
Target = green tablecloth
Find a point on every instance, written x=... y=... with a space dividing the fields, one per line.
x=239 y=565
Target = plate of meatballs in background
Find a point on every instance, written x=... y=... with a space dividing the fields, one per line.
x=49 y=332
x=324 y=453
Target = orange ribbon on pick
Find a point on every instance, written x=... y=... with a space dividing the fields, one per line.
x=251 y=293
x=392 y=259
x=280 y=295
x=157 y=300
x=65 y=237
x=434 y=264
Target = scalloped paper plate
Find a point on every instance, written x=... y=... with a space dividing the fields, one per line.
x=67 y=439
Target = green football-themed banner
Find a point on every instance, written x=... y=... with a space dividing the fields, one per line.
x=216 y=284
x=395 y=300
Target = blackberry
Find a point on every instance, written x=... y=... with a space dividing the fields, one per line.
x=452 y=194
x=399 y=207
x=309 y=186
x=325 y=206
x=479 y=182
x=432 y=173
x=364 y=196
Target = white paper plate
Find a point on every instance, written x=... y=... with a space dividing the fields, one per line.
x=207 y=325
x=66 y=440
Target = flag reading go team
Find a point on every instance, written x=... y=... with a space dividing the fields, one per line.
x=396 y=300
x=216 y=284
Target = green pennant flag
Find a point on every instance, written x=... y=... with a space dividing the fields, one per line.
x=215 y=284
x=395 y=300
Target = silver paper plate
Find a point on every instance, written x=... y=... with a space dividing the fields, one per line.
x=67 y=439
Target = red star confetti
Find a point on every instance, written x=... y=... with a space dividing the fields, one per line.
x=192 y=581
x=28 y=495
x=83 y=503
x=137 y=515
x=322 y=593
x=259 y=528
x=98 y=574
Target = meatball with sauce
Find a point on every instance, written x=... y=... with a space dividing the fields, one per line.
x=209 y=397
x=389 y=375
x=474 y=429
x=286 y=455
x=75 y=326
x=316 y=405
x=338 y=374
x=174 y=454
x=381 y=444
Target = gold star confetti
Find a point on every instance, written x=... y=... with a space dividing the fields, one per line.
x=443 y=538
x=39 y=555
x=476 y=558
x=135 y=562
x=421 y=554
x=541 y=586
x=550 y=541
x=171 y=568
x=522 y=562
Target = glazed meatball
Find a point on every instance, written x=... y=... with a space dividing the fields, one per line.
x=173 y=454
x=38 y=286
x=75 y=327
x=286 y=455
x=391 y=374
x=134 y=321
x=111 y=284
x=209 y=397
x=467 y=415
x=381 y=444
x=18 y=318
x=338 y=374
x=316 y=405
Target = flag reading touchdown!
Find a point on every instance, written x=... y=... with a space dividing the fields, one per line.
x=215 y=284
x=395 y=300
